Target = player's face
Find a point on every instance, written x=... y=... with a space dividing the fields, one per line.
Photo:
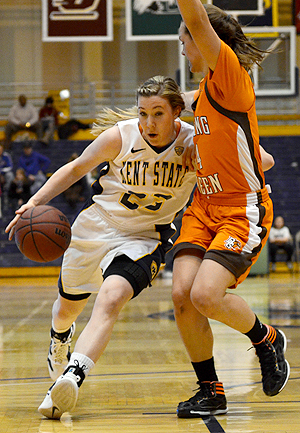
x=156 y=118
x=196 y=61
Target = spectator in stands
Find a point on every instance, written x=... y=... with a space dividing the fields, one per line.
x=35 y=165
x=6 y=171
x=19 y=191
x=78 y=192
x=280 y=239
x=70 y=127
x=49 y=118
x=22 y=116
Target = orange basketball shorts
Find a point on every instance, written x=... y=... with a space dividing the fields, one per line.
x=231 y=235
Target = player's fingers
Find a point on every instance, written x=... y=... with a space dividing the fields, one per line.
x=11 y=227
x=188 y=158
x=185 y=157
x=13 y=222
x=11 y=233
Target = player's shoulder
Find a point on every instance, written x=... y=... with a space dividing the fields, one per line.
x=186 y=129
x=128 y=123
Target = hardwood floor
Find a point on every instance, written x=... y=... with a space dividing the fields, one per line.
x=145 y=372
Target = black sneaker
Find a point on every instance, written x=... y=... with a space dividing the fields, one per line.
x=209 y=400
x=275 y=370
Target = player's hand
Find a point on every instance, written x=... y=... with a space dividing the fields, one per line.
x=188 y=158
x=12 y=225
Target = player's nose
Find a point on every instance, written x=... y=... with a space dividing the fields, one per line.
x=150 y=121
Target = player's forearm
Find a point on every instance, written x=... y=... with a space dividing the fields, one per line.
x=192 y=11
x=61 y=180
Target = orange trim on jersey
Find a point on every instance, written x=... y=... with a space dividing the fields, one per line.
x=226 y=133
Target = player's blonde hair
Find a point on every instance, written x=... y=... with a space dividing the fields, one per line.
x=165 y=87
x=229 y=31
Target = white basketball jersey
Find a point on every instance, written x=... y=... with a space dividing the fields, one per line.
x=144 y=186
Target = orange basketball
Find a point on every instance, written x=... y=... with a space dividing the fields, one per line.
x=43 y=233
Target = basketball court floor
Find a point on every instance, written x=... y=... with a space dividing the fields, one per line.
x=145 y=372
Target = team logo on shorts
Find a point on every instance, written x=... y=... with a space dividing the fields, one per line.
x=179 y=150
x=154 y=269
x=232 y=243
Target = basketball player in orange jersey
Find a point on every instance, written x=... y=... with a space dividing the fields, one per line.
x=228 y=222
x=120 y=238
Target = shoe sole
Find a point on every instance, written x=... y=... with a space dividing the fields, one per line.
x=286 y=362
x=199 y=414
x=64 y=395
x=287 y=375
x=284 y=339
x=50 y=412
x=288 y=369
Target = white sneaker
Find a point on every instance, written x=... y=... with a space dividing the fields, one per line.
x=61 y=397
x=59 y=353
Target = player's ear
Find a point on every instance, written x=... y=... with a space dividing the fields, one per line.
x=177 y=112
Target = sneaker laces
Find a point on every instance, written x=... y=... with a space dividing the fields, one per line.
x=204 y=391
x=59 y=349
x=207 y=388
x=83 y=366
x=77 y=370
x=267 y=358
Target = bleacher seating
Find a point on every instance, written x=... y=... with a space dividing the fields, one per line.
x=284 y=179
x=59 y=152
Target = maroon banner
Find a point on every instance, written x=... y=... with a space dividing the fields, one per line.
x=77 y=20
x=296 y=9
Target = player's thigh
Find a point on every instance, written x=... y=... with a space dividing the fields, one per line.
x=212 y=281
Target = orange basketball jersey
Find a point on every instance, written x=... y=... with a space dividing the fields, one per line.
x=226 y=136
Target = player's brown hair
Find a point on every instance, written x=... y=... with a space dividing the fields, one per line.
x=229 y=31
x=165 y=87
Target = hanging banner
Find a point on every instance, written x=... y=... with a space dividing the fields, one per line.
x=269 y=17
x=77 y=20
x=238 y=7
x=296 y=14
x=148 y=20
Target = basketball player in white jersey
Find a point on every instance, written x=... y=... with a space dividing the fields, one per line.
x=120 y=238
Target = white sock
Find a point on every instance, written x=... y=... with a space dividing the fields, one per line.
x=82 y=361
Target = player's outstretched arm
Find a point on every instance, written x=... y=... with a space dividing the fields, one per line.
x=104 y=148
x=202 y=32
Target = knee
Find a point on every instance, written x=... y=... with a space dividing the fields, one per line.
x=113 y=304
x=181 y=299
x=110 y=300
x=205 y=303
